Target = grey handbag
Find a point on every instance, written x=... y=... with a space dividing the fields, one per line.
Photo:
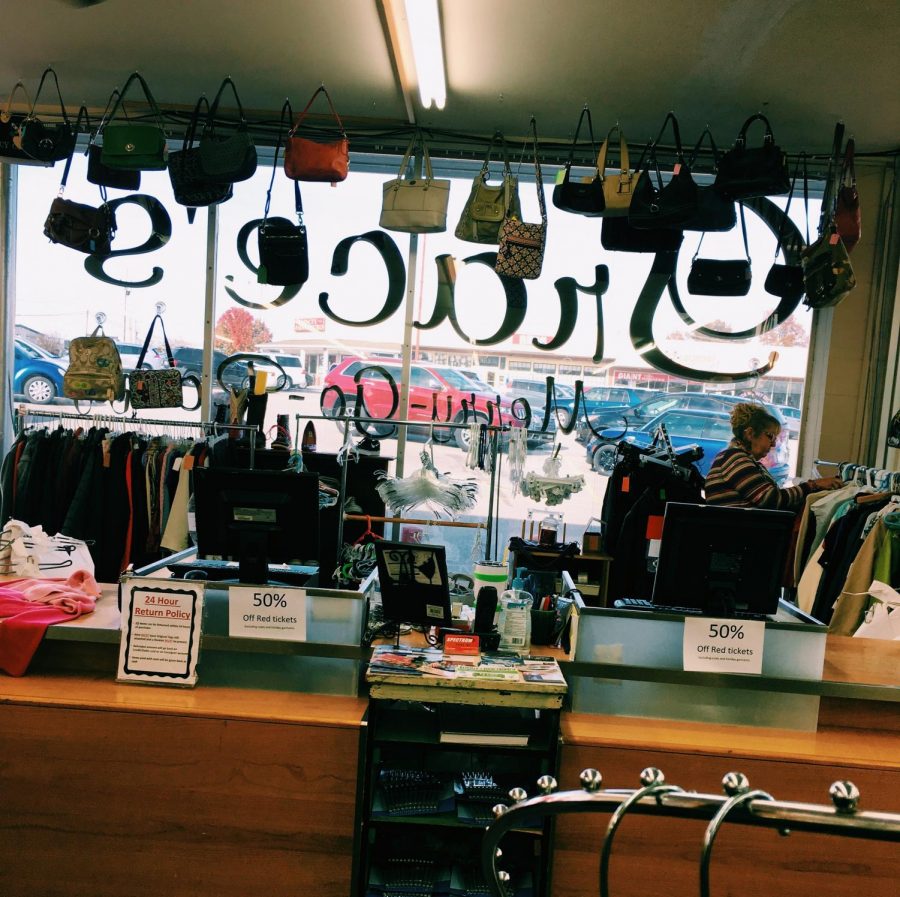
x=415 y=205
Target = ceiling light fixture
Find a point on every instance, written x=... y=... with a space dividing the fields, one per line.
x=428 y=52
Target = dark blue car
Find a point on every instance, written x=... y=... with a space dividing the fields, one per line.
x=711 y=430
x=38 y=376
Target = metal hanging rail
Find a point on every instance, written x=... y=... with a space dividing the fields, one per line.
x=368 y=518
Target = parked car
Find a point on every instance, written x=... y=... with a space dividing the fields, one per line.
x=535 y=391
x=37 y=376
x=791 y=417
x=625 y=422
x=425 y=382
x=603 y=398
x=476 y=379
x=297 y=375
x=189 y=360
x=131 y=352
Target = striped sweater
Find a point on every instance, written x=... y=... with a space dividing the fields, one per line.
x=737 y=478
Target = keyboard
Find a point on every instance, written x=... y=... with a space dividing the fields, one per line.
x=644 y=604
x=213 y=570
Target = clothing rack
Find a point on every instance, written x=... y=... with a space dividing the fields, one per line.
x=877 y=477
x=739 y=805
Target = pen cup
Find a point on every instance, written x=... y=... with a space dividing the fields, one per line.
x=543 y=624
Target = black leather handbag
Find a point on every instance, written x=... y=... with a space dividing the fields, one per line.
x=786 y=281
x=227 y=158
x=190 y=184
x=617 y=235
x=721 y=277
x=10 y=137
x=283 y=248
x=100 y=174
x=715 y=212
x=581 y=197
x=655 y=204
x=48 y=144
x=760 y=171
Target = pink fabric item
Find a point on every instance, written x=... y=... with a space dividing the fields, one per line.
x=29 y=606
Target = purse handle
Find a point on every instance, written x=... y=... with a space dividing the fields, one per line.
x=538 y=178
x=715 y=150
x=191 y=132
x=497 y=138
x=134 y=76
x=801 y=160
x=146 y=345
x=82 y=116
x=298 y=202
x=743 y=233
x=848 y=169
x=7 y=113
x=741 y=140
x=50 y=71
x=426 y=157
x=624 y=162
x=585 y=112
x=319 y=89
x=210 y=127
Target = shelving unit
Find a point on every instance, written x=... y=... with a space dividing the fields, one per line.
x=440 y=839
x=594 y=567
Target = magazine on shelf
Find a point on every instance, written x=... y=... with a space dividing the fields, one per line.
x=510 y=727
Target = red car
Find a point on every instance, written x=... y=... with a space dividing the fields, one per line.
x=426 y=382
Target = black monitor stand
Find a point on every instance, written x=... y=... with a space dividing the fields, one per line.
x=253 y=565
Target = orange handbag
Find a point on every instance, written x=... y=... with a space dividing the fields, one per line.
x=306 y=159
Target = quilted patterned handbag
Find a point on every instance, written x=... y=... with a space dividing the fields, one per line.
x=521 y=252
x=163 y=388
x=488 y=205
x=229 y=158
x=317 y=160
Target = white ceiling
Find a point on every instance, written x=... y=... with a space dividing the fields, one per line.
x=807 y=63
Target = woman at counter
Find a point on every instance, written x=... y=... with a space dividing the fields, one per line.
x=736 y=476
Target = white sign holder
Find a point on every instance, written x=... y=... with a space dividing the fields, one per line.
x=723 y=646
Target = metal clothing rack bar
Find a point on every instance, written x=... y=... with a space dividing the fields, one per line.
x=739 y=803
x=368 y=518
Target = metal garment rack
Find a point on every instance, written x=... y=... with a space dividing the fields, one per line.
x=739 y=805
x=863 y=475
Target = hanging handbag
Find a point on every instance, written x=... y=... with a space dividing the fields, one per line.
x=134 y=146
x=521 y=252
x=100 y=174
x=95 y=369
x=47 y=143
x=761 y=171
x=786 y=281
x=721 y=277
x=76 y=225
x=489 y=204
x=162 y=388
x=655 y=204
x=314 y=160
x=416 y=205
x=715 y=213
x=827 y=273
x=847 y=217
x=229 y=158
x=283 y=248
x=10 y=139
x=617 y=188
x=583 y=196
x=617 y=235
x=190 y=184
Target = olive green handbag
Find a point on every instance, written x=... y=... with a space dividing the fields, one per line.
x=134 y=146
x=489 y=204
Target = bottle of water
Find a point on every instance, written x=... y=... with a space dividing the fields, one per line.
x=514 y=624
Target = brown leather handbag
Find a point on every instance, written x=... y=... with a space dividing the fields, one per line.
x=306 y=159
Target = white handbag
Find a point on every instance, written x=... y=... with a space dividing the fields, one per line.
x=415 y=205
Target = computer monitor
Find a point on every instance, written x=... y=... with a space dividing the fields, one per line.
x=414 y=583
x=722 y=560
x=257 y=517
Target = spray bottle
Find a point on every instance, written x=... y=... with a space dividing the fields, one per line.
x=515 y=618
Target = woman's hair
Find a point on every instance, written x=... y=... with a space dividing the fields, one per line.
x=749 y=414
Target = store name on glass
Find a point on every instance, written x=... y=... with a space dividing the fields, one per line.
x=568 y=289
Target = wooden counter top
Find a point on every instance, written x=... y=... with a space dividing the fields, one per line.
x=100 y=692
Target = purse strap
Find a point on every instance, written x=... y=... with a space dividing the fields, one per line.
x=585 y=113
x=82 y=117
x=497 y=138
x=538 y=178
x=319 y=89
x=50 y=71
x=298 y=202
x=848 y=169
x=801 y=161
x=743 y=233
x=741 y=140
x=715 y=150
x=136 y=76
x=426 y=157
x=624 y=162
x=146 y=346
x=19 y=85
x=213 y=110
x=829 y=198
x=191 y=132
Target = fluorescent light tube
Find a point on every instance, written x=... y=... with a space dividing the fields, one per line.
x=428 y=52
